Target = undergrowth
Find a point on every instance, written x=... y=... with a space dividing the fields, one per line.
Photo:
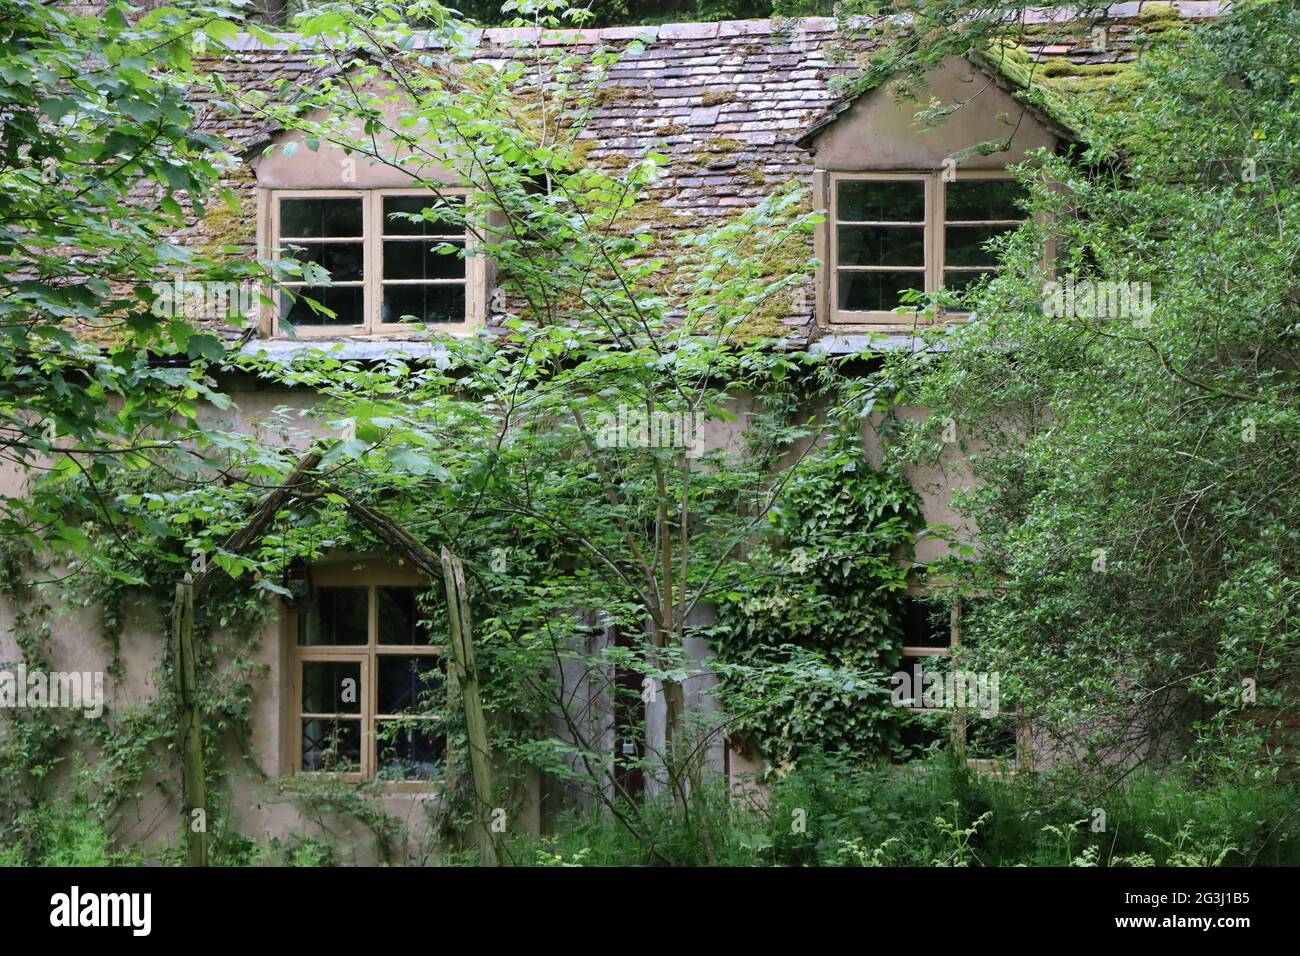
x=938 y=813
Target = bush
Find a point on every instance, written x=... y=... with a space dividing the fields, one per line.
x=63 y=834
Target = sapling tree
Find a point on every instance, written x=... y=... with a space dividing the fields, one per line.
x=605 y=447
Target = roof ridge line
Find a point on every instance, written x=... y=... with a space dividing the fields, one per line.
x=769 y=26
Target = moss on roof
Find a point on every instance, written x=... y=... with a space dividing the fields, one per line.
x=1072 y=93
x=227 y=233
x=1157 y=17
x=1077 y=88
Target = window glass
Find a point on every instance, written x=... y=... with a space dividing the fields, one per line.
x=926 y=623
x=423 y=268
x=337 y=616
x=410 y=616
x=331 y=745
x=399 y=616
x=921 y=734
x=883 y=200
x=992 y=738
x=982 y=200
x=423 y=303
x=346 y=303
x=881 y=245
x=423 y=259
x=879 y=242
x=875 y=291
x=977 y=210
x=314 y=230
x=411 y=751
x=331 y=687
x=311 y=218
x=433 y=218
x=405 y=684
x=342 y=260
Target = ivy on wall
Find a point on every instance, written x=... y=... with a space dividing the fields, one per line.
x=822 y=591
x=808 y=621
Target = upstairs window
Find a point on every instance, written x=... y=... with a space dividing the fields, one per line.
x=388 y=272
x=891 y=232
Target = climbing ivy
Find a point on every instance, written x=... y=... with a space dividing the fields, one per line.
x=821 y=591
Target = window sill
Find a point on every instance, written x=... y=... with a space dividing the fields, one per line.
x=360 y=349
x=892 y=320
x=415 y=789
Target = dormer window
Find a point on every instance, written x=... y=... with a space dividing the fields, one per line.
x=389 y=273
x=891 y=232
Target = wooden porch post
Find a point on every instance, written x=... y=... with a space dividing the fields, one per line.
x=480 y=749
x=194 y=804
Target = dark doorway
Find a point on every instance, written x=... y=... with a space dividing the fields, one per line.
x=629 y=725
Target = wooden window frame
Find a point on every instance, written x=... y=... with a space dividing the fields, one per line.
x=372 y=282
x=932 y=270
x=957 y=724
x=368 y=654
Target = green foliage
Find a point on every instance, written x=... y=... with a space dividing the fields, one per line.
x=813 y=612
x=67 y=832
x=828 y=812
x=715 y=832
x=81 y=390
x=1130 y=472
x=323 y=800
x=599 y=13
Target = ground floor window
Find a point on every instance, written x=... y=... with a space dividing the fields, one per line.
x=931 y=629
x=368 y=683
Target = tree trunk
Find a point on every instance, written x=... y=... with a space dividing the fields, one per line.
x=674 y=713
x=194 y=805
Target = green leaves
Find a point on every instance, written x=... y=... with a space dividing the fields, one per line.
x=80 y=337
x=1142 y=438
x=817 y=603
x=205 y=346
x=412 y=462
